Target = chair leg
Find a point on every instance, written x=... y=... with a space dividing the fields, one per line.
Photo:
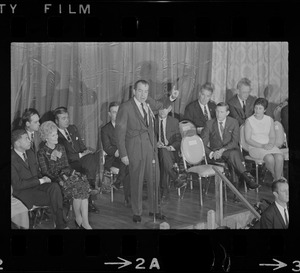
x=225 y=190
x=200 y=191
x=111 y=188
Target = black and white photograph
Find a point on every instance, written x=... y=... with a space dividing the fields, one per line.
x=149 y=135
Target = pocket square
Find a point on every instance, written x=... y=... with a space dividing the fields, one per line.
x=76 y=138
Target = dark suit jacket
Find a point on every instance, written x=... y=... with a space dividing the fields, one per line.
x=131 y=130
x=211 y=137
x=109 y=143
x=236 y=110
x=194 y=113
x=37 y=141
x=72 y=148
x=272 y=219
x=172 y=132
x=24 y=177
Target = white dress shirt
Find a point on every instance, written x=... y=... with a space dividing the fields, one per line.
x=207 y=109
x=241 y=102
x=140 y=107
x=281 y=210
x=164 y=122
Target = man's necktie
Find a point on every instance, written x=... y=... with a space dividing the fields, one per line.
x=162 y=138
x=205 y=113
x=286 y=219
x=68 y=135
x=244 y=106
x=25 y=158
x=32 y=141
x=221 y=128
x=145 y=115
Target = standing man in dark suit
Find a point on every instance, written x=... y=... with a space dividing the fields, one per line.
x=276 y=216
x=221 y=137
x=26 y=182
x=169 y=139
x=241 y=105
x=112 y=158
x=30 y=122
x=137 y=145
x=203 y=109
x=80 y=158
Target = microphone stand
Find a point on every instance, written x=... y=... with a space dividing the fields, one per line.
x=154 y=224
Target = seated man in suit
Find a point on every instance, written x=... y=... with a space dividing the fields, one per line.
x=221 y=137
x=203 y=109
x=276 y=216
x=112 y=158
x=169 y=139
x=80 y=158
x=27 y=184
x=30 y=122
x=241 y=104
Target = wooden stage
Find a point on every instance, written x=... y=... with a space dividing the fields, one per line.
x=180 y=213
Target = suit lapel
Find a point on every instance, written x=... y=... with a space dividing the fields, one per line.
x=216 y=128
x=137 y=111
x=279 y=216
x=21 y=161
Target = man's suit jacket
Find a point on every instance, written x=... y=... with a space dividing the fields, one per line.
x=109 y=143
x=131 y=130
x=212 y=139
x=194 y=113
x=24 y=177
x=272 y=219
x=172 y=132
x=236 y=110
x=72 y=148
x=37 y=142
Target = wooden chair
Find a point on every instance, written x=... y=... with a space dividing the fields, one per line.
x=193 y=153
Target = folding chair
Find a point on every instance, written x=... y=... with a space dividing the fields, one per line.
x=187 y=127
x=111 y=175
x=193 y=153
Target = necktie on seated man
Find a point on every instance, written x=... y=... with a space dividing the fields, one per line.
x=162 y=137
x=205 y=112
x=68 y=136
x=145 y=114
x=25 y=159
x=32 y=142
x=221 y=128
x=244 y=106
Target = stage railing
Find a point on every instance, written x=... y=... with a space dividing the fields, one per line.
x=219 y=196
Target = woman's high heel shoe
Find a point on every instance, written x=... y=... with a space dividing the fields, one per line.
x=76 y=224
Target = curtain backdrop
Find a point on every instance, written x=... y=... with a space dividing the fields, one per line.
x=86 y=77
x=264 y=63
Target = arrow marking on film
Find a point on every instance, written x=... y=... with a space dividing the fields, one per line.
x=278 y=265
x=124 y=263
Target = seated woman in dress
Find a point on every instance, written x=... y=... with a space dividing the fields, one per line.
x=19 y=213
x=54 y=164
x=260 y=135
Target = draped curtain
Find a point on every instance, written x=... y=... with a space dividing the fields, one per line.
x=86 y=77
x=264 y=63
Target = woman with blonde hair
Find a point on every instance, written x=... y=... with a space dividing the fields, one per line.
x=54 y=164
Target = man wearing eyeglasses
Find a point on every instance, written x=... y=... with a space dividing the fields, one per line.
x=79 y=157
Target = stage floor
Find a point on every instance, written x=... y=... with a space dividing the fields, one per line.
x=181 y=213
